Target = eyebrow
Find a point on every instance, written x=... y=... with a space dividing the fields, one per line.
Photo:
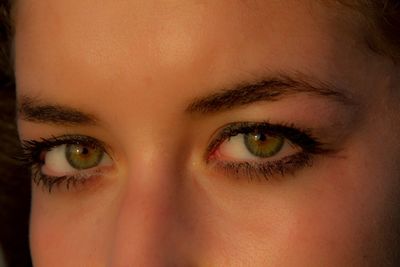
x=269 y=89
x=34 y=110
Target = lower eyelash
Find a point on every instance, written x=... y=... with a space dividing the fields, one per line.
x=257 y=170
x=49 y=182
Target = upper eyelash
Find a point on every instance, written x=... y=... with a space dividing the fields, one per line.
x=31 y=149
x=301 y=137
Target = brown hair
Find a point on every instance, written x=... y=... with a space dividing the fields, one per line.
x=6 y=72
x=14 y=180
x=382 y=19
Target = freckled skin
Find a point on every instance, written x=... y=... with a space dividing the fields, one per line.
x=136 y=64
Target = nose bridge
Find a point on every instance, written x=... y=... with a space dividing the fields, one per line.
x=147 y=210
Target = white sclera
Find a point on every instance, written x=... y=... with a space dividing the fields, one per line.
x=56 y=163
x=235 y=149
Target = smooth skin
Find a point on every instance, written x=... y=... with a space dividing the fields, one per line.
x=136 y=65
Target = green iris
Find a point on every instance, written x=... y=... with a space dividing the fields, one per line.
x=83 y=157
x=263 y=145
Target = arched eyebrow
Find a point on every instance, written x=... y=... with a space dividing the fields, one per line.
x=35 y=110
x=268 y=89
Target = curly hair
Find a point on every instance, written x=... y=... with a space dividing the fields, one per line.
x=382 y=19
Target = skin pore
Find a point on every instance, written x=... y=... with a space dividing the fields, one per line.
x=143 y=78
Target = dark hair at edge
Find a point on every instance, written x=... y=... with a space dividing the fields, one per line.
x=14 y=179
x=382 y=18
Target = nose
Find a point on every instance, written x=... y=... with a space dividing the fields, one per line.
x=147 y=218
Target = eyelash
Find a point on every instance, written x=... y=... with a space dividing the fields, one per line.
x=32 y=151
x=31 y=155
x=302 y=138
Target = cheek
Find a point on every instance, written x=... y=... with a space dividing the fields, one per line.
x=337 y=213
x=346 y=215
x=67 y=230
x=327 y=227
x=334 y=214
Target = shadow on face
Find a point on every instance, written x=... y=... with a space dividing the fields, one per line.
x=217 y=133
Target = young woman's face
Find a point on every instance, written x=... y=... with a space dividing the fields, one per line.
x=207 y=133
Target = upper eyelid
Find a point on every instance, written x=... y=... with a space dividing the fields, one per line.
x=54 y=141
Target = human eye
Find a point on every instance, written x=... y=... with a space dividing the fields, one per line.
x=262 y=150
x=68 y=160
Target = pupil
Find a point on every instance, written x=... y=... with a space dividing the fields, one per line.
x=85 y=151
x=261 y=137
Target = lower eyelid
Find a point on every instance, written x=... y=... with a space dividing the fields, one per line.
x=73 y=180
x=265 y=170
x=82 y=174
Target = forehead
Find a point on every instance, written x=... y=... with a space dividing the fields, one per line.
x=163 y=48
